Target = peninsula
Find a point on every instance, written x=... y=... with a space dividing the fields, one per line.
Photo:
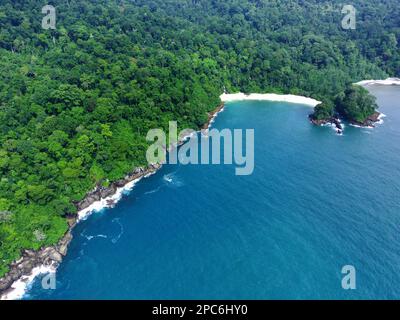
x=76 y=102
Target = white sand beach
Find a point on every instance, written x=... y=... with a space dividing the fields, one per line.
x=387 y=82
x=229 y=97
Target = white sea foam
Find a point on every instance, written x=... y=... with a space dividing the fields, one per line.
x=380 y=121
x=269 y=97
x=172 y=180
x=115 y=239
x=380 y=118
x=333 y=126
x=19 y=287
x=212 y=120
x=152 y=191
x=93 y=237
x=363 y=127
x=107 y=202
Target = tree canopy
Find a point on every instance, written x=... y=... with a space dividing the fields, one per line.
x=76 y=102
x=356 y=104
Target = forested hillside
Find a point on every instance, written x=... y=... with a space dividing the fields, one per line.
x=76 y=102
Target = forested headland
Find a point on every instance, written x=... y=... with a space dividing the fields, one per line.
x=76 y=102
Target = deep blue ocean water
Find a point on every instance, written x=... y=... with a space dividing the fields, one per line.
x=315 y=202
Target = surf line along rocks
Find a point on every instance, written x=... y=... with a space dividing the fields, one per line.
x=331 y=121
x=51 y=256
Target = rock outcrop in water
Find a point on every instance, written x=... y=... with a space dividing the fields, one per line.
x=335 y=121
x=369 y=122
x=331 y=121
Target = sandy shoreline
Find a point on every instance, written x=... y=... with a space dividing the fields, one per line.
x=290 y=98
x=387 y=82
x=20 y=286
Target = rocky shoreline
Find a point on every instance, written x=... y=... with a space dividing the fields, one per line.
x=52 y=256
x=336 y=123
x=369 y=122
x=212 y=115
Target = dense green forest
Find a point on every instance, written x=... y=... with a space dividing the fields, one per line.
x=356 y=103
x=76 y=102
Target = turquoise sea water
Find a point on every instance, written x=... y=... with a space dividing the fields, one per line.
x=315 y=202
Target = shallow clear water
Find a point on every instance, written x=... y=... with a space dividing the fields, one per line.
x=315 y=202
